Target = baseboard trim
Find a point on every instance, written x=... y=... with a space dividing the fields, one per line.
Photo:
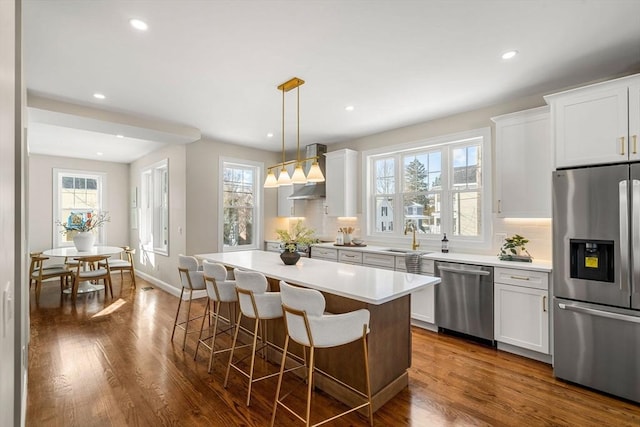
x=170 y=289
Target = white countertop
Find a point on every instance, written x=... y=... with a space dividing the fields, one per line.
x=490 y=260
x=360 y=283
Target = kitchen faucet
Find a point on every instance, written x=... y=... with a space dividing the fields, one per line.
x=412 y=227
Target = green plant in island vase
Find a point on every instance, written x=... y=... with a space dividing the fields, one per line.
x=299 y=234
x=514 y=246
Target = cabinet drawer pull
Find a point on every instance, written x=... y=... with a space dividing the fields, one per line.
x=349 y=256
x=635 y=144
x=544 y=303
x=519 y=278
x=622 y=146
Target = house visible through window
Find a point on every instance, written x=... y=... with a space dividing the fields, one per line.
x=437 y=185
x=240 y=205
x=154 y=208
x=76 y=194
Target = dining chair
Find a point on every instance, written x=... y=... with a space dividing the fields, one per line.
x=39 y=274
x=191 y=279
x=221 y=290
x=82 y=274
x=124 y=263
x=307 y=324
x=35 y=266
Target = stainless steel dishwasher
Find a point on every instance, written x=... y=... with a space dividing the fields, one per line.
x=464 y=299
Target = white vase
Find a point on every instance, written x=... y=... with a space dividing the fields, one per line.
x=84 y=241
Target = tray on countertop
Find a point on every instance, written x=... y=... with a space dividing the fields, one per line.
x=350 y=245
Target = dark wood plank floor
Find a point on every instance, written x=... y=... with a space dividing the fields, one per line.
x=110 y=362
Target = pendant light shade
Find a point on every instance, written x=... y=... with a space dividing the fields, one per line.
x=298 y=176
x=283 y=178
x=315 y=174
x=271 y=181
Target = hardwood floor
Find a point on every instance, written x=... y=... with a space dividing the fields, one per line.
x=110 y=362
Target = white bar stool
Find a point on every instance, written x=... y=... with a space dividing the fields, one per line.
x=221 y=290
x=258 y=304
x=307 y=325
x=191 y=279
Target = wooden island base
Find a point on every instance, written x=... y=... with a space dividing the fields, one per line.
x=389 y=347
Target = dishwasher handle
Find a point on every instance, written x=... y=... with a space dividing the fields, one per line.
x=459 y=271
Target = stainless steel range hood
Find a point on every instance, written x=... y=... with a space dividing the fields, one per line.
x=312 y=190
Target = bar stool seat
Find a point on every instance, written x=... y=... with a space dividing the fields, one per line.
x=221 y=290
x=307 y=324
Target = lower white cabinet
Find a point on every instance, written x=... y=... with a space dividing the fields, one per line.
x=423 y=302
x=328 y=254
x=521 y=303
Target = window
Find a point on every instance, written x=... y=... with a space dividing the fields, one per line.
x=438 y=185
x=77 y=193
x=154 y=208
x=241 y=193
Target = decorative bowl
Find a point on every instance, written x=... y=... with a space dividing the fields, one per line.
x=357 y=241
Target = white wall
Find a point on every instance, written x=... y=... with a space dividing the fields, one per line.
x=203 y=177
x=40 y=198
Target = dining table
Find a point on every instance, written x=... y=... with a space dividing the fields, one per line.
x=71 y=252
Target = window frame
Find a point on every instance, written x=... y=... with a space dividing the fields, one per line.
x=57 y=241
x=258 y=211
x=446 y=144
x=149 y=189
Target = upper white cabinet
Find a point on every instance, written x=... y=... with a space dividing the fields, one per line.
x=287 y=207
x=597 y=124
x=524 y=163
x=341 y=176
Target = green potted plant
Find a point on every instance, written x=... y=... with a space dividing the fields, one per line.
x=298 y=235
x=513 y=249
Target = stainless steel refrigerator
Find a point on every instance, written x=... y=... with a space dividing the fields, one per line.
x=596 y=277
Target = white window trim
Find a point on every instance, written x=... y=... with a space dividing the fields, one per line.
x=258 y=209
x=481 y=242
x=57 y=242
x=143 y=226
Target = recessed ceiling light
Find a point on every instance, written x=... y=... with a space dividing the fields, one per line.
x=269 y=135
x=510 y=54
x=98 y=96
x=138 y=24
x=119 y=136
x=349 y=108
x=99 y=153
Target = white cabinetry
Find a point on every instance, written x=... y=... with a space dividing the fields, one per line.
x=423 y=302
x=341 y=176
x=287 y=207
x=387 y=262
x=350 y=257
x=272 y=247
x=328 y=254
x=523 y=164
x=597 y=124
x=521 y=301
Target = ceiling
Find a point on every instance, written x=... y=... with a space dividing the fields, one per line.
x=215 y=65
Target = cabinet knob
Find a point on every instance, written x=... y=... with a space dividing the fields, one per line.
x=622 y=145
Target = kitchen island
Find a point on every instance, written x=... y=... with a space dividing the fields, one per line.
x=386 y=294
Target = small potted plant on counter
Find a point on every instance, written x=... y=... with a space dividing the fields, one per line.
x=299 y=235
x=513 y=249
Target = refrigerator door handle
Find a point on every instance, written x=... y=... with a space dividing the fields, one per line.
x=624 y=235
x=635 y=234
x=599 y=313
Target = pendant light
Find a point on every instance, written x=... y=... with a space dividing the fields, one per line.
x=315 y=174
